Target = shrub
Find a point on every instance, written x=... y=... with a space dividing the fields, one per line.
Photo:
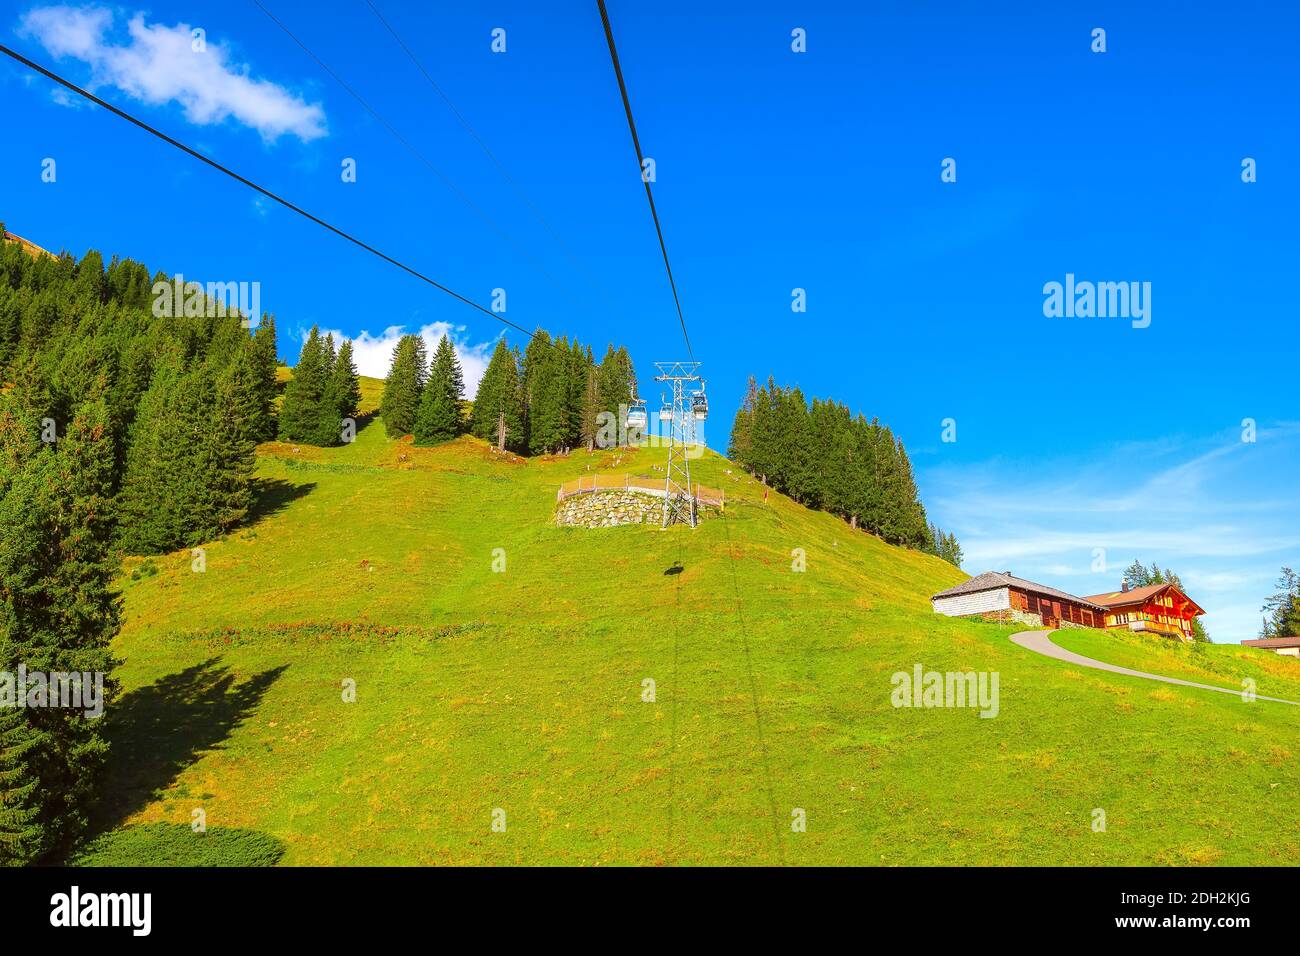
x=175 y=844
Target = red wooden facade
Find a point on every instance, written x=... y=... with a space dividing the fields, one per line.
x=1053 y=609
x=1159 y=608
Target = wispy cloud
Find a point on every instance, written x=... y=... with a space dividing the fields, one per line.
x=158 y=64
x=374 y=353
x=1220 y=512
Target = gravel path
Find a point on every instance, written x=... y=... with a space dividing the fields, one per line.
x=1040 y=642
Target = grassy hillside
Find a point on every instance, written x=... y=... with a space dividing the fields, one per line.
x=521 y=690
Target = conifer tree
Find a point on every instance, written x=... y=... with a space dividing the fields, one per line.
x=762 y=452
x=224 y=456
x=331 y=354
x=60 y=614
x=589 y=425
x=346 y=385
x=310 y=410
x=575 y=387
x=497 y=404
x=22 y=834
x=615 y=381
x=86 y=334
x=742 y=428
x=265 y=362
x=91 y=285
x=438 y=419
x=1282 y=609
x=81 y=613
x=151 y=504
x=825 y=458
x=400 y=403
x=547 y=415
x=536 y=354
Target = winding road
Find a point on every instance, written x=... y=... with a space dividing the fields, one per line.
x=1040 y=642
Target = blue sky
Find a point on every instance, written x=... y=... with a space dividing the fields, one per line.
x=775 y=170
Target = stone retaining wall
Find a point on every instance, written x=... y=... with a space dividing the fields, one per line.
x=1016 y=616
x=608 y=509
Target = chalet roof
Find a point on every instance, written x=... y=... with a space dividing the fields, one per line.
x=993 y=580
x=1113 y=599
x=1293 y=641
x=31 y=248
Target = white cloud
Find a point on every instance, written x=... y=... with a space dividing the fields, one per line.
x=374 y=353
x=69 y=31
x=157 y=65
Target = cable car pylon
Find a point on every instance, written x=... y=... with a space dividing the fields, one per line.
x=688 y=406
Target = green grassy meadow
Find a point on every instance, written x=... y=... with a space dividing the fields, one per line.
x=521 y=690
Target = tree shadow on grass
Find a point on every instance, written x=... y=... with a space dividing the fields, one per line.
x=366 y=420
x=273 y=495
x=159 y=730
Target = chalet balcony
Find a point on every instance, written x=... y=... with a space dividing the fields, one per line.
x=1161 y=628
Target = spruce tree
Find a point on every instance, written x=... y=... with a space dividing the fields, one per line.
x=762 y=452
x=629 y=375
x=151 y=503
x=224 y=460
x=1136 y=575
x=331 y=354
x=547 y=415
x=82 y=613
x=59 y=615
x=22 y=833
x=400 y=403
x=346 y=385
x=579 y=367
x=825 y=458
x=497 y=402
x=536 y=354
x=310 y=410
x=438 y=419
x=615 y=381
x=742 y=428
x=589 y=425
x=265 y=363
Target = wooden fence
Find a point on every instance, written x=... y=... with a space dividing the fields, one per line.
x=589 y=484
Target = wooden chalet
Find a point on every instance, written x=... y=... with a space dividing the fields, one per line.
x=1286 y=646
x=1157 y=608
x=1001 y=596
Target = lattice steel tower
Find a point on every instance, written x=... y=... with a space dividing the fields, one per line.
x=681 y=415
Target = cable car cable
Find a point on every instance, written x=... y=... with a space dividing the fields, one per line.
x=519 y=190
x=491 y=223
x=68 y=84
x=640 y=162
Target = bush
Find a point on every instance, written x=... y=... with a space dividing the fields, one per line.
x=175 y=844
